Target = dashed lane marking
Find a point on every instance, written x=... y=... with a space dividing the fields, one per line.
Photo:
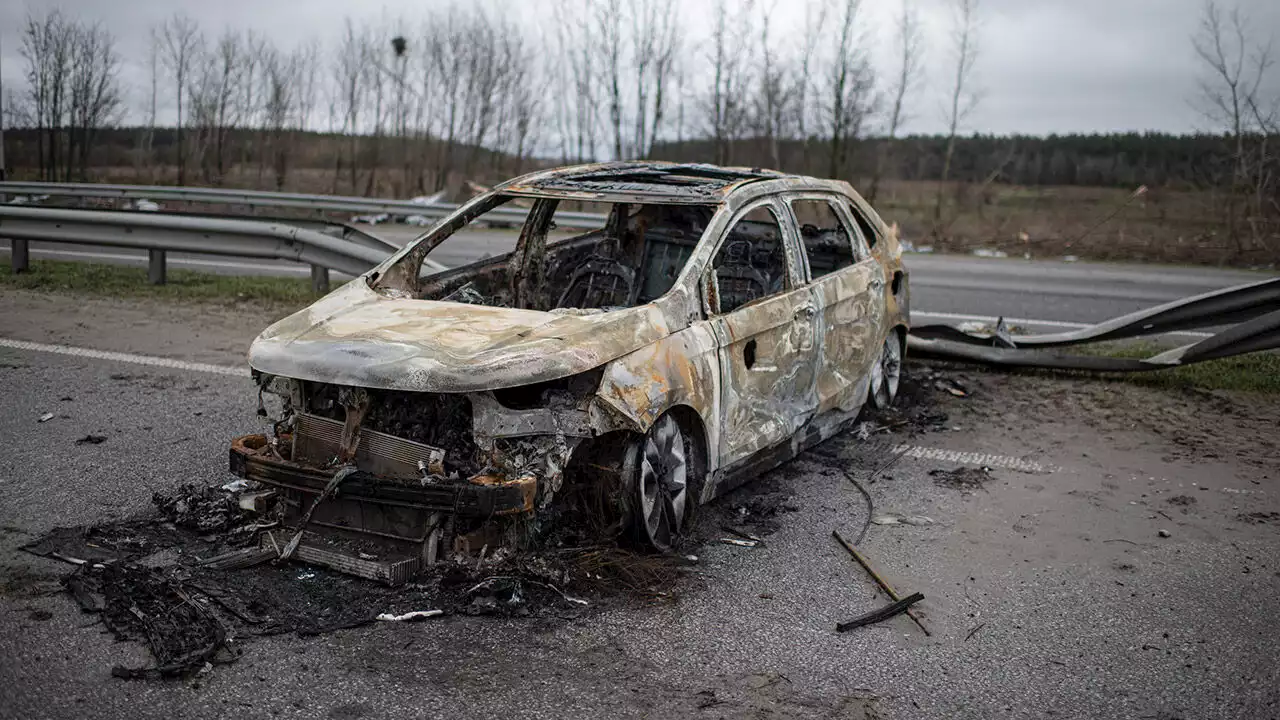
x=125 y=357
x=973 y=458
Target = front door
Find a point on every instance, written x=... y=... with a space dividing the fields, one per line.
x=766 y=325
x=848 y=284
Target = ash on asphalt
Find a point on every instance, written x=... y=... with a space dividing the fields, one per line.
x=146 y=578
x=1053 y=592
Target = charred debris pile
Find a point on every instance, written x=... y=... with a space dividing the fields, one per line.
x=203 y=575
x=206 y=572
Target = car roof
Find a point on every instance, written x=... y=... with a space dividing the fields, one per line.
x=643 y=182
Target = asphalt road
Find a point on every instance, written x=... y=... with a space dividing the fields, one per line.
x=1049 y=594
x=944 y=288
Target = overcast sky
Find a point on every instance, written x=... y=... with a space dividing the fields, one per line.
x=1045 y=66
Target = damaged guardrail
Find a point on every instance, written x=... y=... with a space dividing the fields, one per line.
x=1252 y=312
x=258 y=198
x=157 y=233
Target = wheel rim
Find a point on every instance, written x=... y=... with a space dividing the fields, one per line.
x=891 y=368
x=886 y=373
x=877 y=381
x=663 y=483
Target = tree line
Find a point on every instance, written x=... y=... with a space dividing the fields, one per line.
x=472 y=93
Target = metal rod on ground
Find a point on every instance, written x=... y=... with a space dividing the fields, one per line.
x=319 y=279
x=893 y=595
x=155 y=267
x=19 y=256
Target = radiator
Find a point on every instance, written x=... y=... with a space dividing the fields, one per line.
x=317 y=441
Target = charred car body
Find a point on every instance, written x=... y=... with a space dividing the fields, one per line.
x=720 y=322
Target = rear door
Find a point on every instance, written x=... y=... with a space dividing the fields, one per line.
x=848 y=287
x=765 y=321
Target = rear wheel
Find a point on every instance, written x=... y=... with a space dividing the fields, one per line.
x=660 y=471
x=887 y=372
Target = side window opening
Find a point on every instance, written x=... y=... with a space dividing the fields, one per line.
x=827 y=242
x=864 y=226
x=579 y=255
x=751 y=263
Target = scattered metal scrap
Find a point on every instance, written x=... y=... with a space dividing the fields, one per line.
x=891 y=610
x=1252 y=311
x=900 y=604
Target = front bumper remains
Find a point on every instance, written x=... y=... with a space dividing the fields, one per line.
x=481 y=497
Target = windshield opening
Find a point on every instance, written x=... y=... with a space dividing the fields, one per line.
x=554 y=254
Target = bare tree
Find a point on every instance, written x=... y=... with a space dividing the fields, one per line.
x=229 y=72
x=94 y=86
x=963 y=96
x=730 y=56
x=143 y=156
x=215 y=107
x=775 y=89
x=181 y=43
x=850 y=89
x=609 y=59
x=578 y=97
x=1236 y=73
x=280 y=99
x=349 y=73
x=907 y=38
x=655 y=43
x=400 y=116
x=815 y=16
x=249 y=105
x=46 y=50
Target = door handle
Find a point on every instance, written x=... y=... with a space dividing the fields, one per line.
x=806 y=313
x=877 y=283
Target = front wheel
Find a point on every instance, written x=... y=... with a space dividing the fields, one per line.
x=660 y=488
x=886 y=373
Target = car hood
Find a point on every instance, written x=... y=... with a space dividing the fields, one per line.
x=358 y=337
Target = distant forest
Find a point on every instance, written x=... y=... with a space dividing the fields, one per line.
x=1112 y=160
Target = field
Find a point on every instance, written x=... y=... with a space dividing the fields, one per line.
x=1159 y=226
x=1089 y=223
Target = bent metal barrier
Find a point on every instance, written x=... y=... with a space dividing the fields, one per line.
x=256 y=198
x=1249 y=314
x=158 y=233
x=224 y=235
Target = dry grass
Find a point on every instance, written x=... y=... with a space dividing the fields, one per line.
x=1166 y=226
x=277 y=293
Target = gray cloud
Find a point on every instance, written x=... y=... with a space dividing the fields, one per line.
x=1046 y=65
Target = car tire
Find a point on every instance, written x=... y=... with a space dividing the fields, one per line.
x=660 y=470
x=886 y=374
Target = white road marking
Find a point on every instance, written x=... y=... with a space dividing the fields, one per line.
x=151 y=360
x=973 y=458
x=1027 y=321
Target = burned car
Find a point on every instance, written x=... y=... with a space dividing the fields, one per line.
x=716 y=323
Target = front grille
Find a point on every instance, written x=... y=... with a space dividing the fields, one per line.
x=318 y=440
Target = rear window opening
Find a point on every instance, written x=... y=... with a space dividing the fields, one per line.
x=565 y=255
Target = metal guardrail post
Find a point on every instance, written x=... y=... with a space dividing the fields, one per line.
x=156 y=267
x=320 y=279
x=19 y=256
